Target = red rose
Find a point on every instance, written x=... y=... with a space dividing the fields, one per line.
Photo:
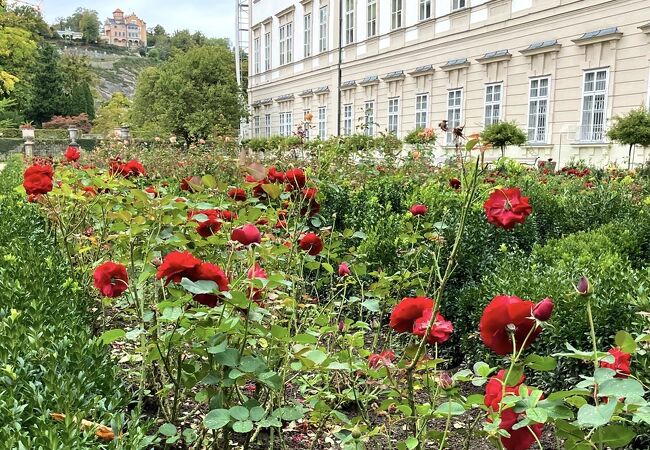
x=621 y=362
x=209 y=272
x=311 y=243
x=258 y=190
x=543 y=310
x=256 y=272
x=191 y=184
x=494 y=389
x=228 y=216
x=310 y=193
x=111 y=279
x=412 y=315
x=503 y=316
x=177 y=265
x=506 y=207
x=211 y=225
x=295 y=178
x=454 y=183
x=522 y=438
x=275 y=176
x=344 y=269
x=37 y=179
x=237 y=194
x=384 y=358
x=151 y=190
x=246 y=235
x=281 y=224
x=72 y=153
x=89 y=191
x=418 y=210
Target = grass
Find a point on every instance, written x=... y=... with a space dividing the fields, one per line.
x=49 y=359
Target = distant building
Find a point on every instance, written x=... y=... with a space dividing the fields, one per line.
x=69 y=34
x=125 y=31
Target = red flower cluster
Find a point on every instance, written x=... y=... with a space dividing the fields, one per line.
x=37 y=179
x=344 y=269
x=418 y=210
x=72 y=153
x=412 y=315
x=385 y=358
x=111 y=279
x=506 y=207
x=621 y=364
x=312 y=207
x=311 y=243
x=295 y=178
x=132 y=168
x=208 y=226
x=237 y=194
x=522 y=438
x=178 y=265
x=256 y=272
x=454 y=183
x=575 y=172
x=508 y=316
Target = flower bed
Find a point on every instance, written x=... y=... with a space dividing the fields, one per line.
x=310 y=305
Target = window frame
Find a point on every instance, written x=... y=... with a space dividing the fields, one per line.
x=307 y=35
x=369 y=119
x=491 y=104
x=267 y=51
x=420 y=111
x=371 y=19
x=594 y=136
x=322 y=122
x=450 y=109
x=532 y=129
x=396 y=14
x=268 y=129
x=457 y=5
x=393 y=115
x=422 y=10
x=323 y=33
x=348 y=119
x=257 y=49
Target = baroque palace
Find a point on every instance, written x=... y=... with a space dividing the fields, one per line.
x=561 y=69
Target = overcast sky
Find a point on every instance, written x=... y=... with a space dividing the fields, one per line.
x=214 y=18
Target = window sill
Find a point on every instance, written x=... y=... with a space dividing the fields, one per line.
x=538 y=145
x=590 y=144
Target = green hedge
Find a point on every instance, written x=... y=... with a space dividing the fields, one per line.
x=51 y=362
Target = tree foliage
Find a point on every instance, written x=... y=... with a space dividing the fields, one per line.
x=112 y=114
x=503 y=134
x=47 y=87
x=631 y=129
x=192 y=95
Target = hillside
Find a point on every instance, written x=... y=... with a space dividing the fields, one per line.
x=117 y=71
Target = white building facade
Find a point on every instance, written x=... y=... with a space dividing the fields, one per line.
x=561 y=69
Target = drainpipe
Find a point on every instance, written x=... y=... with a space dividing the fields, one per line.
x=340 y=71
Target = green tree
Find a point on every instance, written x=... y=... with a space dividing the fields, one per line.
x=89 y=25
x=631 y=129
x=17 y=53
x=47 y=87
x=112 y=114
x=27 y=18
x=503 y=134
x=191 y=95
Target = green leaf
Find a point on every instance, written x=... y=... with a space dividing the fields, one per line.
x=328 y=267
x=371 y=305
x=595 y=416
x=229 y=357
x=216 y=419
x=172 y=313
x=257 y=413
x=272 y=189
x=471 y=144
x=209 y=181
x=242 y=426
x=411 y=443
x=112 y=335
x=239 y=412
x=482 y=369
x=251 y=364
x=271 y=379
x=614 y=436
x=450 y=409
x=200 y=287
x=316 y=356
x=538 y=415
x=167 y=429
x=541 y=363
x=620 y=388
x=305 y=339
x=625 y=342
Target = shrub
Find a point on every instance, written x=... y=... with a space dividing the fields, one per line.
x=82 y=122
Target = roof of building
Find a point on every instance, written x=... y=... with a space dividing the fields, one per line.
x=423 y=69
x=455 y=63
x=394 y=75
x=370 y=79
x=497 y=54
x=599 y=33
x=322 y=90
x=542 y=44
x=284 y=97
x=348 y=84
x=306 y=93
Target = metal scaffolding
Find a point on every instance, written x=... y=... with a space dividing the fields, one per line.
x=242 y=48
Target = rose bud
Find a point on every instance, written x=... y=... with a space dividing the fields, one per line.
x=543 y=310
x=418 y=210
x=445 y=381
x=341 y=326
x=584 y=287
x=344 y=269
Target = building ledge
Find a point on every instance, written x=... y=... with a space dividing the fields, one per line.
x=541 y=145
x=348 y=85
x=393 y=76
x=455 y=64
x=645 y=28
x=590 y=144
x=595 y=37
x=492 y=57
x=367 y=81
x=306 y=93
x=538 y=48
x=286 y=11
x=422 y=70
x=284 y=98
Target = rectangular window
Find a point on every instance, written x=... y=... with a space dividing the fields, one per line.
x=306 y=124
x=458 y=4
x=493 y=99
x=369 y=121
x=286 y=43
x=307 y=35
x=422 y=111
x=594 y=99
x=347 y=120
x=393 y=115
x=349 y=21
x=454 y=112
x=322 y=29
x=256 y=126
x=286 y=123
x=538 y=109
x=425 y=9
x=267 y=51
x=372 y=18
x=257 y=55
x=322 y=122
x=395 y=14
x=267 y=125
